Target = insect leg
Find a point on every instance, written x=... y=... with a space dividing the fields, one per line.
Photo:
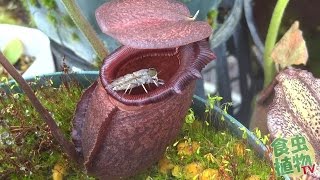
x=127 y=89
x=155 y=82
x=144 y=88
x=130 y=90
x=160 y=81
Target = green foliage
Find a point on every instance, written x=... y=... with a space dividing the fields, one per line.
x=13 y=50
x=7 y=18
x=75 y=37
x=52 y=18
x=28 y=150
x=189 y=119
x=49 y=4
x=33 y=2
x=265 y=139
x=217 y=150
x=67 y=21
x=212 y=18
x=225 y=108
x=212 y=101
x=269 y=69
x=215 y=101
x=244 y=133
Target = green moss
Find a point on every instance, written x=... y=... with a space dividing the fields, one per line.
x=32 y=151
x=217 y=150
x=28 y=150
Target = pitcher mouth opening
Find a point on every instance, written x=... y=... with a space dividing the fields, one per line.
x=175 y=68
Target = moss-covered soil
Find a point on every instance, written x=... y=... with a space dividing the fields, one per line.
x=28 y=150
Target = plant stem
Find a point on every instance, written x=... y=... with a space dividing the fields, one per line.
x=85 y=27
x=68 y=147
x=269 y=69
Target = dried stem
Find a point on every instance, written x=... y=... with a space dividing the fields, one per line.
x=85 y=27
x=68 y=147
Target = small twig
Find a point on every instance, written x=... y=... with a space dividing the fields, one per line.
x=18 y=129
x=68 y=147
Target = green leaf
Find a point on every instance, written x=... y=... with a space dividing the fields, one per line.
x=13 y=50
x=189 y=119
x=244 y=132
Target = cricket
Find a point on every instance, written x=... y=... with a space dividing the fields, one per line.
x=135 y=79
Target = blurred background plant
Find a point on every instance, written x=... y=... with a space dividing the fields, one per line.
x=51 y=17
x=308 y=23
x=12 y=12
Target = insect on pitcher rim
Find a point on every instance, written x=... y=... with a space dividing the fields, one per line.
x=176 y=67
